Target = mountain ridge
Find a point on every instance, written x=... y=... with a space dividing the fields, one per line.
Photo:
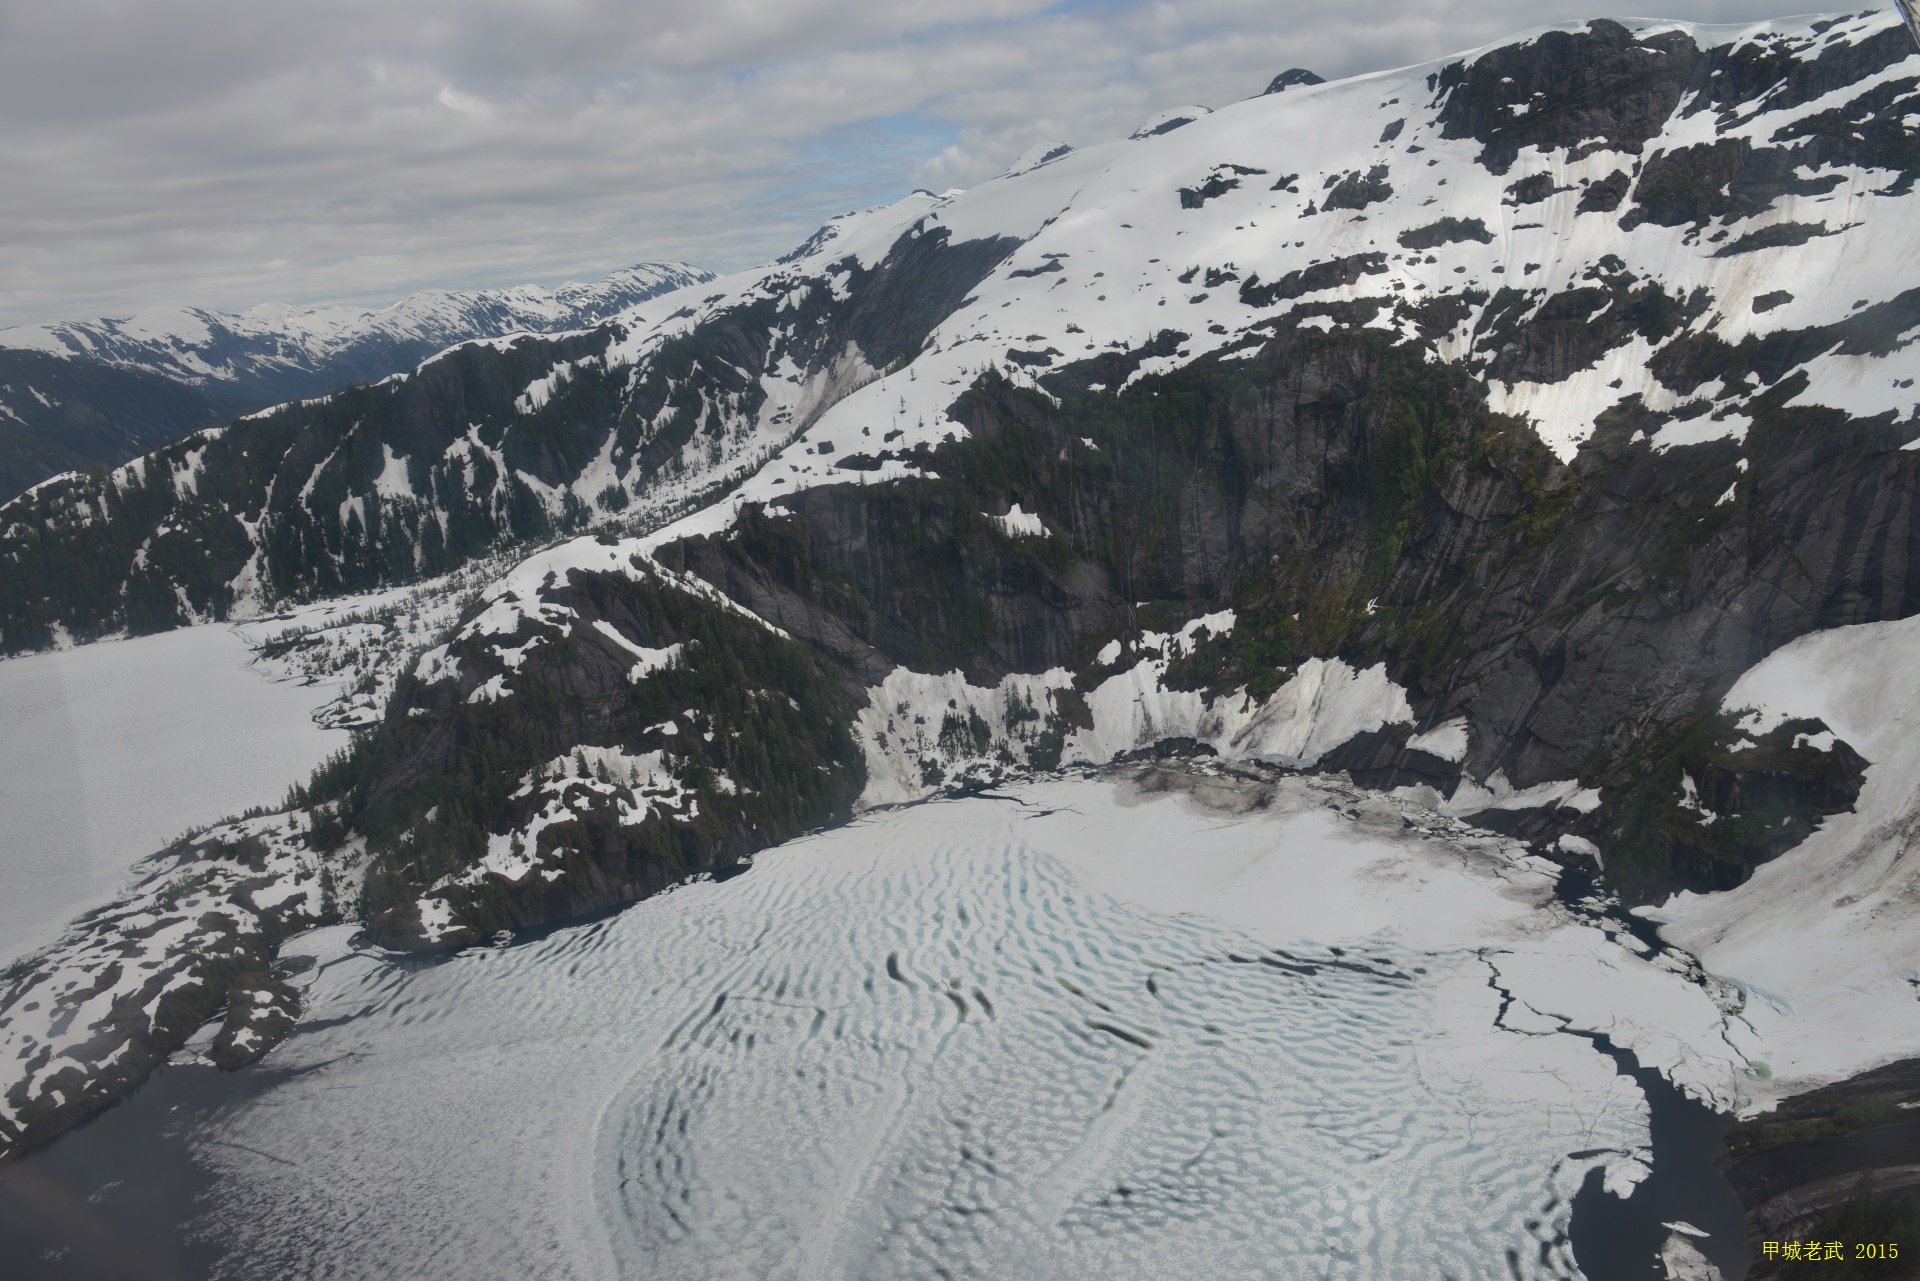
x=78 y=395
x=276 y=351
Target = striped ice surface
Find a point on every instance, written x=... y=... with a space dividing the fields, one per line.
x=1166 y=1023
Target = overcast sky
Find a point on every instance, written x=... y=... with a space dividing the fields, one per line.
x=228 y=152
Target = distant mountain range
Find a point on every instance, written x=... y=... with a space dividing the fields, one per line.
x=80 y=393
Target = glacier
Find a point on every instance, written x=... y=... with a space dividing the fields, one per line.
x=1150 y=1022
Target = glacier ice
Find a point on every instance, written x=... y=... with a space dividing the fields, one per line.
x=1087 y=1028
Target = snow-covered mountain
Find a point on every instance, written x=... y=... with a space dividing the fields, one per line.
x=1471 y=429
x=82 y=395
x=275 y=352
x=1660 y=227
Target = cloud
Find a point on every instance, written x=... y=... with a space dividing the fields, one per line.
x=227 y=152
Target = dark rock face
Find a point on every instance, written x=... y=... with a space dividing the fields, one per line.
x=1576 y=616
x=1605 y=195
x=1448 y=231
x=1599 y=89
x=1312 y=279
x=1691 y=363
x=1532 y=190
x=1799 y=1168
x=1291 y=77
x=1774 y=73
x=1602 y=89
x=1357 y=191
x=1222 y=180
x=1779 y=235
x=1544 y=341
x=1697 y=804
x=1173 y=508
x=896 y=304
x=73 y=415
x=1573 y=654
x=909 y=575
x=1711 y=180
x=262 y=1008
x=1165 y=126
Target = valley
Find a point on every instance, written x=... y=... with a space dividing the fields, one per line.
x=1320 y=689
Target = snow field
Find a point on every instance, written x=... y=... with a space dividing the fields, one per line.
x=1825 y=940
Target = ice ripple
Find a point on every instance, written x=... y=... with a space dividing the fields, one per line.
x=915 y=1047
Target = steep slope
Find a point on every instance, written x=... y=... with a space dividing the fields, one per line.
x=1662 y=208
x=1470 y=428
x=1566 y=510
x=64 y=415
x=486 y=444
x=1390 y=569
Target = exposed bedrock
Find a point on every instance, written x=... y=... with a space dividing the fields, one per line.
x=1839 y=1162
x=1347 y=497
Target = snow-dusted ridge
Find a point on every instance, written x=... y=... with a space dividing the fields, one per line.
x=275 y=345
x=1357 y=203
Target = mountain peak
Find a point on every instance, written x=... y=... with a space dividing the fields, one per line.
x=1291 y=78
x=1040 y=153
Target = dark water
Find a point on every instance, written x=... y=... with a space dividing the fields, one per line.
x=1615 y=1240
x=109 y=1200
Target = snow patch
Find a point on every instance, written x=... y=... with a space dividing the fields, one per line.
x=1018 y=524
x=649 y=660
x=1448 y=740
x=1822 y=939
x=392 y=481
x=1161 y=122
